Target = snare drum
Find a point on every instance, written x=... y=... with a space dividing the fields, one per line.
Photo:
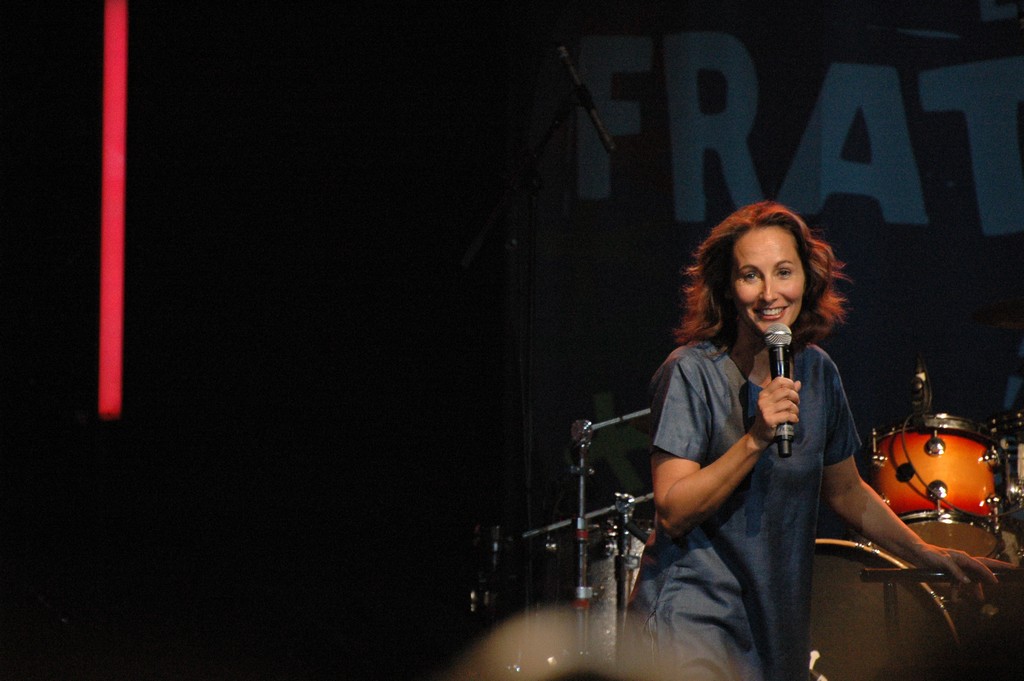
x=939 y=476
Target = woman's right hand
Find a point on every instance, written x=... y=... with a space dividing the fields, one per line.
x=778 y=403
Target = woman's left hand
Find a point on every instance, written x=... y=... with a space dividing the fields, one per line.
x=966 y=569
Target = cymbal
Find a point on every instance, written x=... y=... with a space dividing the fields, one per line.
x=1005 y=314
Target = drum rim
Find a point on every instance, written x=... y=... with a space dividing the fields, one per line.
x=957 y=516
x=939 y=421
x=866 y=547
x=961 y=519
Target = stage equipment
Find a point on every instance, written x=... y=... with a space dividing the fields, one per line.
x=989 y=632
x=619 y=539
x=862 y=631
x=778 y=338
x=586 y=101
x=1008 y=429
x=940 y=477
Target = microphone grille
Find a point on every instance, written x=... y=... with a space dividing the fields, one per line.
x=778 y=334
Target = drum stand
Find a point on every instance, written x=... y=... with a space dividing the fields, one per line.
x=583 y=592
x=582 y=435
x=624 y=561
x=890 y=578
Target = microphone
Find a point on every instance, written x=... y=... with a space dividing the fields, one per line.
x=777 y=338
x=586 y=101
x=920 y=392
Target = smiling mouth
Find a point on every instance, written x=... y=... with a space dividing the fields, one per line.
x=770 y=311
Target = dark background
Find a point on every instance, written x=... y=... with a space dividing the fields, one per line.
x=321 y=403
x=313 y=384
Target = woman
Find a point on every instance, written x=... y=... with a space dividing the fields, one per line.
x=724 y=588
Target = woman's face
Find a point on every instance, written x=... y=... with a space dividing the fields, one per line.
x=767 y=280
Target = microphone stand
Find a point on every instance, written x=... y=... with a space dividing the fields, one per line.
x=528 y=534
x=520 y=288
x=525 y=176
x=519 y=329
x=582 y=436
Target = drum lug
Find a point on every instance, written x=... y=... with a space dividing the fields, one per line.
x=937 y=489
x=935 y=446
x=878 y=459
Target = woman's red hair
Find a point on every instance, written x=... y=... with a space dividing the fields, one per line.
x=710 y=313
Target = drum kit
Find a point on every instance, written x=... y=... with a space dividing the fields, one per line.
x=955 y=482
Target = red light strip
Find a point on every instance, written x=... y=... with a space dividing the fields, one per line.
x=115 y=97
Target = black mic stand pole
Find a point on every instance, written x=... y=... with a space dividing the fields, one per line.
x=599 y=513
x=519 y=247
x=525 y=176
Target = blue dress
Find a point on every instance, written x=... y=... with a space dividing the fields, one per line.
x=731 y=599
